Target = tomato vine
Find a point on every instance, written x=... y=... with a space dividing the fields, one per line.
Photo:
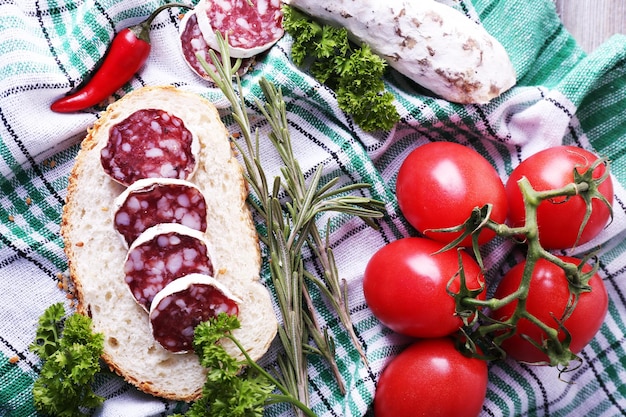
x=482 y=333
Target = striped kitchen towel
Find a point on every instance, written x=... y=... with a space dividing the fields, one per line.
x=563 y=96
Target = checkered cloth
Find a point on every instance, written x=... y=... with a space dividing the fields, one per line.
x=563 y=96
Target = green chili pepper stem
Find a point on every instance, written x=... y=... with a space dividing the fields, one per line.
x=142 y=30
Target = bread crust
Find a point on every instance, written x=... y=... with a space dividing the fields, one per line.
x=96 y=254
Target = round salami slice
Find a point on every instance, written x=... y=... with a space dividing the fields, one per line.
x=251 y=27
x=148 y=202
x=185 y=303
x=150 y=143
x=193 y=45
x=162 y=254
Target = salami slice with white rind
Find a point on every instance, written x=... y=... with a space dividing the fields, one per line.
x=193 y=44
x=149 y=202
x=252 y=27
x=185 y=303
x=150 y=143
x=162 y=254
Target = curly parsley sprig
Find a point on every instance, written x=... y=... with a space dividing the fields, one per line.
x=71 y=354
x=355 y=73
x=233 y=388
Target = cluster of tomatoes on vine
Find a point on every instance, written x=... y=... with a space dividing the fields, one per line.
x=432 y=287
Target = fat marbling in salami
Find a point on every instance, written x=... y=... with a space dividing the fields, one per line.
x=148 y=202
x=150 y=143
x=185 y=303
x=162 y=254
x=251 y=26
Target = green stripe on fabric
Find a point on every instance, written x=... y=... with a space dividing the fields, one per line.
x=86 y=36
x=35 y=215
x=612 y=370
x=15 y=390
x=584 y=392
x=6 y=154
x=606 y=332
x=523 y=388
x=595 y=119
x=20 y=69
x=498 y=398
x=577 y=83
x=611 y=261
x=611 y=136
x=559 y=55
x=597 y=116
x=302 y=99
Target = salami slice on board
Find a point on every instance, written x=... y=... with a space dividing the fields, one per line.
x=150 y=143
x=251 y=27
x=149 y=202
x=162 y=254
x=185 y=303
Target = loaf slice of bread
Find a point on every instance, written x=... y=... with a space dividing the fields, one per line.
x=96 y=253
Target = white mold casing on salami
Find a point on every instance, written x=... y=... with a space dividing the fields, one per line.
x=180 y=310
x=431 y=43
x=96 y=253
x=251 y=27
x=162 y=254
x=172 y=201
x=150 y=143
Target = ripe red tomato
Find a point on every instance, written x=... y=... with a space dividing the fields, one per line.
x=547 y=298
x=559 y=221
x=405 y=286
x=431 y=378
x=440 y=183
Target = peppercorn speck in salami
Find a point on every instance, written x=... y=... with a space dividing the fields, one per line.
x=150 y=143
x=162 y=254
x=149 y=202
x=251 y=27
x=185 y=303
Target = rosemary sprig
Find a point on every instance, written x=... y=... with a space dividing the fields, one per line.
x=292 y=225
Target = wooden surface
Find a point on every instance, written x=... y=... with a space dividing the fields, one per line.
x=591 y=22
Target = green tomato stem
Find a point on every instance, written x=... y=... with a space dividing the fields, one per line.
x=557 y=351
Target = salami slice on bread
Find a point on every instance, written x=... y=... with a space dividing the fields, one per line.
x=152 y=201
x=96 y=253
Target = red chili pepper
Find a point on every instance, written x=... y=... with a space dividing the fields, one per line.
x=126 y=55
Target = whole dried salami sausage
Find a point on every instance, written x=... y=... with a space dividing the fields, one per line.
x=162 y=254
x=149 y=202
x=185 y=303
x=252 y=27
x=431 y=43
x=150 y=143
